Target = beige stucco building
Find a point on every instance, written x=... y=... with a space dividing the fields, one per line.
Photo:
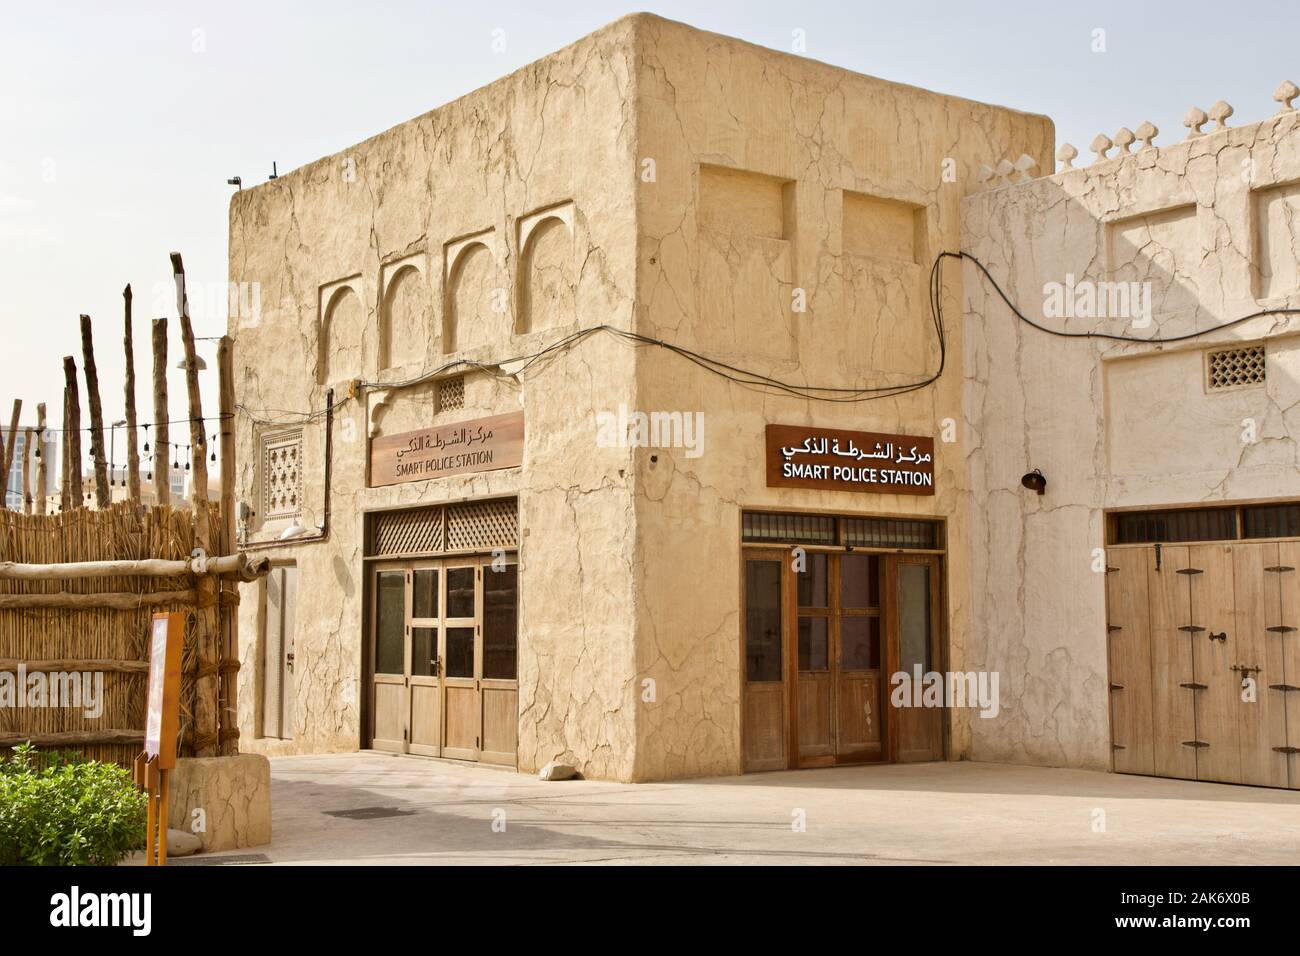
x=597 y=418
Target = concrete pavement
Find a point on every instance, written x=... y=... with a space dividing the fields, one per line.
x=364 y=808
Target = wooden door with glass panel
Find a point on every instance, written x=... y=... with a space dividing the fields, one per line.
x=443 y=658
x=766 y=595
x=838 y=685
x=913 y=629
x=424 y=689
x=390 y=703
x=460 y=621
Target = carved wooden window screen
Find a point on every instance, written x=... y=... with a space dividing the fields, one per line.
x=282 y=475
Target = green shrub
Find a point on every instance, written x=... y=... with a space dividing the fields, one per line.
x=62 y=810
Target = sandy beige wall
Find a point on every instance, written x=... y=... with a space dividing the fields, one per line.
x=555 y=136
x=1209 y=226
x=720 y=258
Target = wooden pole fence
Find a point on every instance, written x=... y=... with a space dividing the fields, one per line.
x=206 y=707
x=132 y=444
x=9 y=448
x=72 y=459
x=42 y=474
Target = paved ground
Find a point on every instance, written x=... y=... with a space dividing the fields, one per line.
x=939 y=813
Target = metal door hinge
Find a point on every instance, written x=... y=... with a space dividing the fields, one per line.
x=1278 y=569
x=1190 y=571
x=1195 y=743
x=1193 y=685
x=1114 y=627
x=1191 y=628
x=1280 y=629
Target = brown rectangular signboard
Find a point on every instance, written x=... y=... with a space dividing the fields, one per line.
x=162 y=707
x=482 y=444
x=803 y=456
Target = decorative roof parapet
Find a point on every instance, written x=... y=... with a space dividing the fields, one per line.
x=1285 y=93
x=1220 y=112
x=1125 y=139
x=1100 y=144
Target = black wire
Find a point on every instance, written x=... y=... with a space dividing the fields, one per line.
x=1060 y=333
x=732 y=373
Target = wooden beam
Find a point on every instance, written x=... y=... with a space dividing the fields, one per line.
x=74 y=738
x=72 y=460
x=71 y=664
x=103 y=490
x=27 y=470
x=42 y=475
x=9 y=450
x=132 y=445
x=162 y=465
x=112 y=600
x=206 y=620
x=229 y=691
x=239 y=566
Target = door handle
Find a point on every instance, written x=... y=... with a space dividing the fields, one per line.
x=1221 y=637
x=288 y=660
x=436 y=663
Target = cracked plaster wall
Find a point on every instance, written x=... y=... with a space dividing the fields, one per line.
x=556 y=131
x=630 y=568
x=722 y=282
x=1111 y=424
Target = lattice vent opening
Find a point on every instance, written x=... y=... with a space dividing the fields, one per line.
x=1233 y=368
x=451 y=394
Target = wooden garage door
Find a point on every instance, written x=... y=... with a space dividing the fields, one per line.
x=1205 y=661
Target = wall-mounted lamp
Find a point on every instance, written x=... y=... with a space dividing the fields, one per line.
x=1035 y=481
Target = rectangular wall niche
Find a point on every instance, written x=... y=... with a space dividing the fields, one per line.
x=1277 y=239
x=883 y=228
x=736 y=202
x=282 y=475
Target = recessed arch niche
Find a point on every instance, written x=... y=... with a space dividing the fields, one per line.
x=477 y=308
x=342 y=332
x=548 y=279
x=405 y=314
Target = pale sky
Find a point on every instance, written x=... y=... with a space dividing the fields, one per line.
x=120 y=123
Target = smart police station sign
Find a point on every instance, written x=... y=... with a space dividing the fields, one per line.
x=800 y=456
x=483 y=444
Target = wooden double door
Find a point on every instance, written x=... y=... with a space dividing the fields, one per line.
x=1205 y=661
x=822 y=635
x=443 y=658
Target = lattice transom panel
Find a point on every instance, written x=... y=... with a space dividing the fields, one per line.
x=451 y=394
x=282 y=475
x=1231 y=368
x=473 y=526
x=482 y=525
x=419 y=531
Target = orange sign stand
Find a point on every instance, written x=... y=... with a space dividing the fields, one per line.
x=162 y=722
